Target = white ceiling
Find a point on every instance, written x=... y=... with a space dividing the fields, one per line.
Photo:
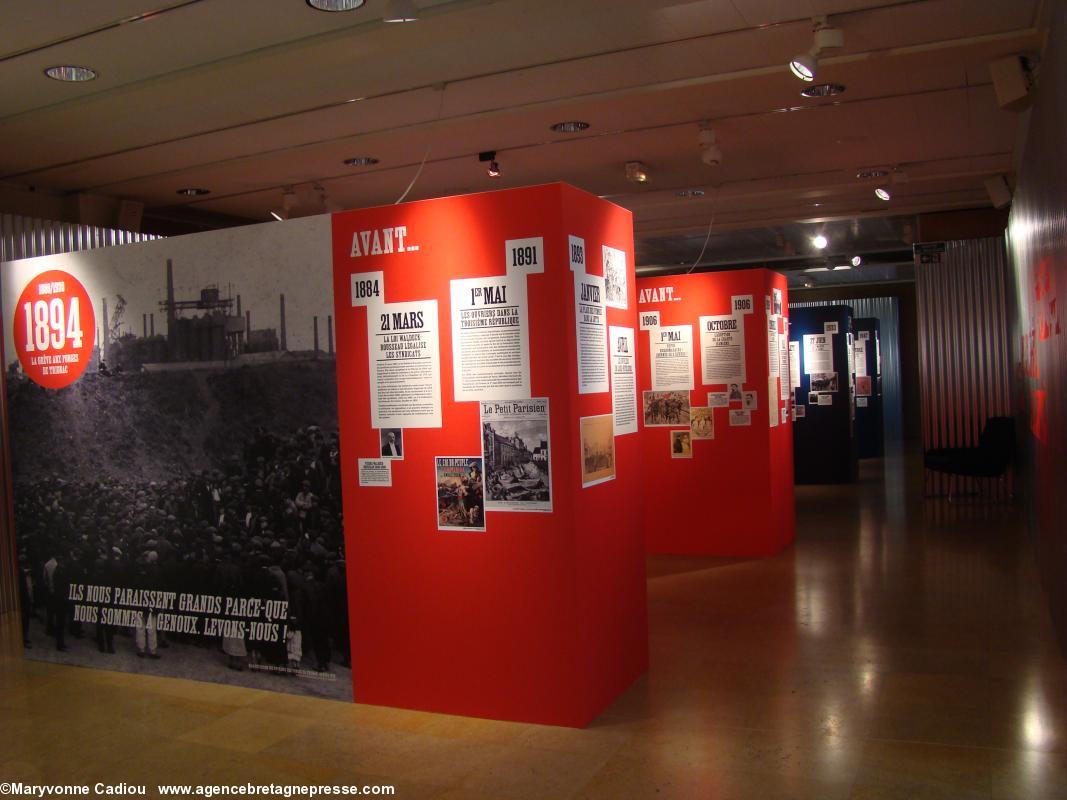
x=244 y=97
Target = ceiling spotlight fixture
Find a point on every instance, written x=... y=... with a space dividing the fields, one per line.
x=866 y=173
x=334 y=5
x=822 y=90
x=489 y=156
x=882 y=193
x=636 y=172
x=400 y=11
x=857 y=260
x=710 y=153
x=572 y=126
x=819 y=242
x=70 y=74
x=361 y=161
x=193 y=191
x=809 y=284
x=805 y=65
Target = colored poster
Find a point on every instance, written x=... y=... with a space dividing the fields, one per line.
x=671 y=355
x=681 y=444
x=614 y=277
x=702 y=422
x=818 y=353
x=623 y=380
x=375 y=472
x=192 y=468
x=722 y=349
x=794 y=365
x=515 y=454
x=666 y=409
x=597 y=449
x=490 y=338
x=590 y=319
x=405 y=365
x=863 y=385
x=460 y=493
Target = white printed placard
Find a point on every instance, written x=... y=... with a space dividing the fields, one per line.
x=405 y=365
x=739 y=418
x=525 y=256
x=818 y=353
x=741 y=304
x=576 y=253
x=375 y=472
x=590 y=319
x=490 y=338
x=623 y=379
x=794 y=365
x=648 y=319
x=722 y=349
x=718 y=399
x=367 y=288
x=671 y=356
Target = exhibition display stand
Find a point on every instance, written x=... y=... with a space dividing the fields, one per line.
x=714 y=379
x=867 y=355
x=492 y=462
x=825 y=447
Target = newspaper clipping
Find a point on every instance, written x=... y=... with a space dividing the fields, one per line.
x=460 y=493
x=623 y=380
x=515 y=452
x=672 y=357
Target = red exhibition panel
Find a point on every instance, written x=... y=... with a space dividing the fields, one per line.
x=731 y=495
x=540 y=617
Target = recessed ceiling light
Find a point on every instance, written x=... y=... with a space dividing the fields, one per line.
x=361 y=161
x=334 y=5
x=636 y=172
x=870 y=172
x=193 y=191
x=882 y=193
x=819 y=242
x=572 y=126
x=690 y=193
x=823 y=90
x=70 y=74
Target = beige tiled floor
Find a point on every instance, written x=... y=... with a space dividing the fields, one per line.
x=900 y=650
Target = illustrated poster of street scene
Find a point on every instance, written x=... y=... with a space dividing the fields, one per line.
x=664 y=409
x=598 y=449
x=460 y=493
x=515 y=452
x=177 y=503
x=702 y=422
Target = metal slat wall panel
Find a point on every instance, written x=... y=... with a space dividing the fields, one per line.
x=887 y=311
x=25 y=237
x=964 y=371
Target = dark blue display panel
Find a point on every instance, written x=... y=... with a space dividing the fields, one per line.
x=870 y=437
x=824 y=442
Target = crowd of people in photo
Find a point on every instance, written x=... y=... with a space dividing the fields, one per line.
x=268 y=526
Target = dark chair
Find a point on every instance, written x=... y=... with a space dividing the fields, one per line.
x=990 y=459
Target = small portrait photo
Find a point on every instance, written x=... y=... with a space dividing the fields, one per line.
x=392 y=443
x=735 y=392
x=681 y=444
x=749 y=401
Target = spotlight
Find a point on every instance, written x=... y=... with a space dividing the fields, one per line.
x=857 y=260
x=819 y=242
x=489 y=156
x=710 y=153
x=805 y=65
x=493 y=170
x=636 y=172
x=882 y=193
x=400 y=11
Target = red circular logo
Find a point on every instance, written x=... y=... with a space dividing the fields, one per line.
x=54 y=329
